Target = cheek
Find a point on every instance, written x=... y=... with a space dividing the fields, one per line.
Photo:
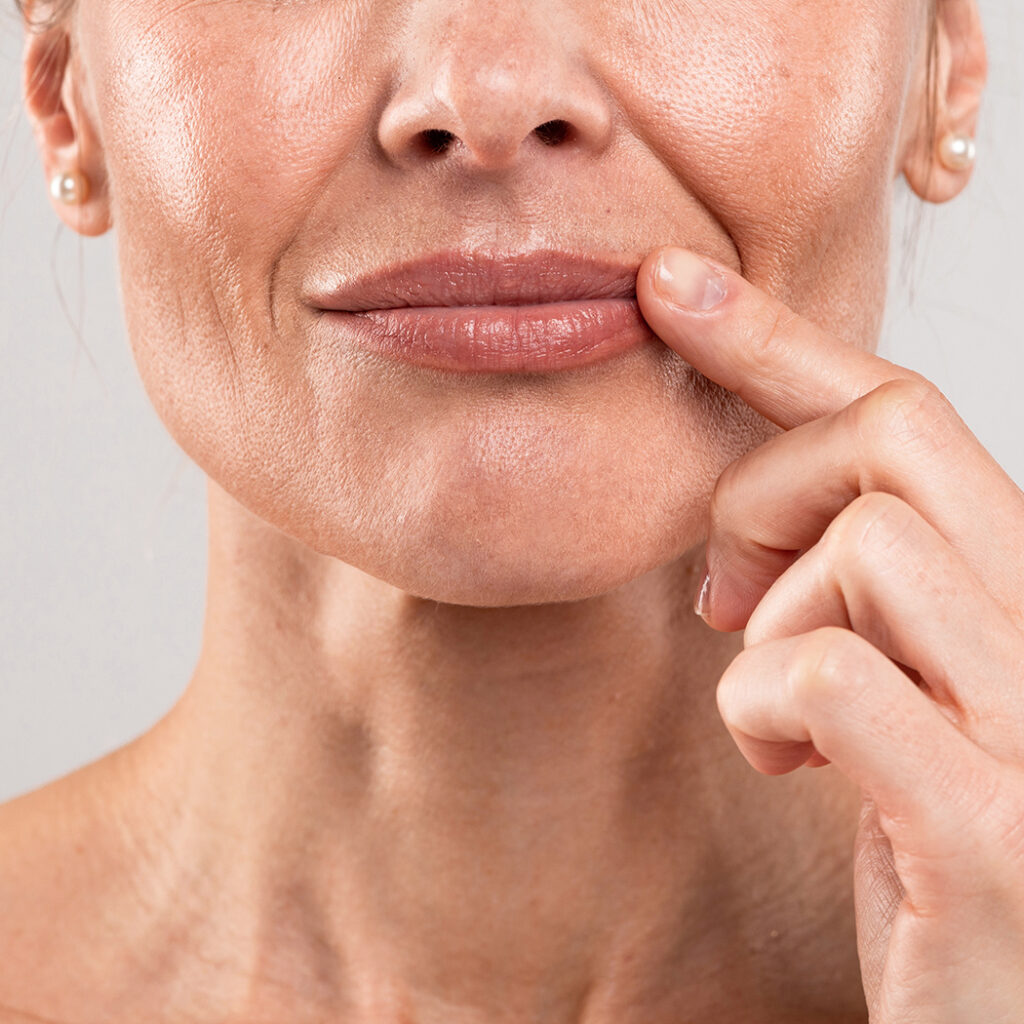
x=221 y=117
x=782 y=117
x=221 y=125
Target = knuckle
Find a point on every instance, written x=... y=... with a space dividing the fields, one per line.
x=872 y=524
x=768 y=336
x=731 y=694
x=825 y=669
x=910 y=415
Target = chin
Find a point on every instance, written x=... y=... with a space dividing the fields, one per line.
x=501 y=494
x=495 y=567
x=504 y=546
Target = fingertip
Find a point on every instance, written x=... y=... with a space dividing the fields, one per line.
x=725 y=607
x=687 y=281
x=816 y=760
x=775 y=757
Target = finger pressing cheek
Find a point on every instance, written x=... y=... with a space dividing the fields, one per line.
x=782 y=365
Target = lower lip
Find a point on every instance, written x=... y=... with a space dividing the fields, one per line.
x=502 y=339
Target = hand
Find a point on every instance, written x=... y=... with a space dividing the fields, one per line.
x=874 y=553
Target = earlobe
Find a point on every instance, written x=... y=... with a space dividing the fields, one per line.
x=68 y=143
x=939 y=157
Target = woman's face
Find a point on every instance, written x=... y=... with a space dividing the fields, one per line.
x=259 y=151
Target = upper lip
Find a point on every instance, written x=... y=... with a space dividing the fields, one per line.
x=483 y=279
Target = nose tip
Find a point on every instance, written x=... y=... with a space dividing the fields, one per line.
x=486 y=92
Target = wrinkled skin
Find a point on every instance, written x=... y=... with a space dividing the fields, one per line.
x=448 y=651
x=264 y=143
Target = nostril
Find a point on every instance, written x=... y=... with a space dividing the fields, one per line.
x=437 y=140
x=553 y=133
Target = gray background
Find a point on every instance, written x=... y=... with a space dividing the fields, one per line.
x=102 y=518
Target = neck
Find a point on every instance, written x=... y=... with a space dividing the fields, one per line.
x=419 y=811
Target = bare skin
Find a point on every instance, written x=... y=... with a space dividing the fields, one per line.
x=452 y=750
x=582 y=845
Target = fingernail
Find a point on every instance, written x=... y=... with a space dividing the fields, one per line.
x=686 y=280
x=700 y=602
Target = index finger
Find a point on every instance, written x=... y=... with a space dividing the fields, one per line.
x=787 y=368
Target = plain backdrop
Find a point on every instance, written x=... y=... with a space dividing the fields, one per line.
x=102 y=518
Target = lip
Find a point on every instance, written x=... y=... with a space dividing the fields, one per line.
x=533 y=312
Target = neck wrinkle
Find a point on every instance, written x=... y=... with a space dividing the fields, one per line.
x=428 y=812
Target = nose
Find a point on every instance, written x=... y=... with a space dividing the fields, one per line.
x=483 y=83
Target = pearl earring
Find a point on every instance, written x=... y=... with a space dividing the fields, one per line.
x=957 y=151
x=70 y=187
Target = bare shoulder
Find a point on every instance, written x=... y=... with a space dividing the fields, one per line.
x=57 y=858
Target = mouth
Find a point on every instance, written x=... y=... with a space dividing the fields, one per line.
x=473 y=312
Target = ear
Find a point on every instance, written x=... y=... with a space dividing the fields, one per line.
x=64 y=132
x=954 y=93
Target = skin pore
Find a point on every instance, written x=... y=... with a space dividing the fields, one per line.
x=451 y=750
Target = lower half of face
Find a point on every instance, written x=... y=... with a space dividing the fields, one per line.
x=501 y=489
x=763 y=135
